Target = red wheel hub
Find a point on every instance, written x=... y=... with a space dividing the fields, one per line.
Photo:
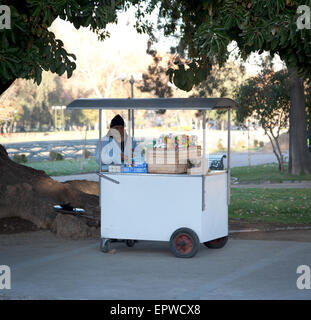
x=183 y=243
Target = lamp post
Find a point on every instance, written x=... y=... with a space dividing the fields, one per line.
x=132 y=81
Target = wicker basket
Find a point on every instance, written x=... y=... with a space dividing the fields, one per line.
x=167 y=168
x=169 y=160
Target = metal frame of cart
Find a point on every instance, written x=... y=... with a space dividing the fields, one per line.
x=185 y=210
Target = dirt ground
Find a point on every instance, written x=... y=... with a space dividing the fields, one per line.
x=16 y=225
x=238 y=230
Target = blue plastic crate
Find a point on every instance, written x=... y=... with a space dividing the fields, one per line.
x=140 y=169
x=127 y=169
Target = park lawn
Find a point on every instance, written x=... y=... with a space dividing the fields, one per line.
x=65 y=167
x=288 y=206
x=265 y=172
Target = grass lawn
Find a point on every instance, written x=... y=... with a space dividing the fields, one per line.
x=65 y=167
x=265 y=172
x=288 y=206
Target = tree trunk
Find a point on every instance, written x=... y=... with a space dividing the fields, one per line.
x=30 y=194
x=276 y=150
x=299 y=156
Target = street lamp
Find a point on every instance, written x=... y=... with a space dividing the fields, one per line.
x=132 y=78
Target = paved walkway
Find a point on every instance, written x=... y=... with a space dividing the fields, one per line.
x=44 y=266
x=266 y=185
x=85 y=176
x=285 y=185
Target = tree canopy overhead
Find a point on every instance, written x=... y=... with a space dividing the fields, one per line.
x=29 y=47
x=205 y=29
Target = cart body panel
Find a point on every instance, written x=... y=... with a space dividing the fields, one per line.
x=152 y=206
x=215 y=217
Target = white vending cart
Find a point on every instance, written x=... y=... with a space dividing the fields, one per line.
x=183 y=209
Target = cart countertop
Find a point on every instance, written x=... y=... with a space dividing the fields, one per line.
x=162 y=174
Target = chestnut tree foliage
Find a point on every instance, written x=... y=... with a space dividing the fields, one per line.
x=28 y=47
x=205 y=29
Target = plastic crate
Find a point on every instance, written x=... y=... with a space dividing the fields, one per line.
x=139 y=168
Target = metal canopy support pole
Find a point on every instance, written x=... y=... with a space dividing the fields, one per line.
x=132 y=140
x=203 y=160
x=228 y=157
x=100 y=140
x=133 y=123
x=100 y=152
x=129 y=154
x=132 y=96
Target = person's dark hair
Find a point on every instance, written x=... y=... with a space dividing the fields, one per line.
x=117 y=121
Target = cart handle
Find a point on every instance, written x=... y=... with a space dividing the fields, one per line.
x=108 y=178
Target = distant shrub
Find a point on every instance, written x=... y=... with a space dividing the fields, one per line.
x=55 y=156
x=261 y=144
x=256 y=142
x=20 y=158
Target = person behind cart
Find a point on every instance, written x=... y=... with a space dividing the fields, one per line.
x=115 y=145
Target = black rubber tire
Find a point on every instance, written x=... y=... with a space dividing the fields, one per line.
x=184 y=243
x=130 y=243
x=105 y=245
x=217 y=243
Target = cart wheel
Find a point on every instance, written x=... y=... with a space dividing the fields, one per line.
x=105 y=245
x=130 y=243
x=184 y=243
x=217 y=243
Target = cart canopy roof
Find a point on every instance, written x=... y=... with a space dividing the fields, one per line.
x=154 y=104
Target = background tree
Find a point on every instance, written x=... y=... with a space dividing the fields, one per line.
x=29 y=47
x=32 y=103
x=206 y=28
x=155 y=81
x=221 y=82
x=266 y=98
x=7 y=115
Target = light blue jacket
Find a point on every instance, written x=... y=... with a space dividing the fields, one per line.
x=111 y=152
